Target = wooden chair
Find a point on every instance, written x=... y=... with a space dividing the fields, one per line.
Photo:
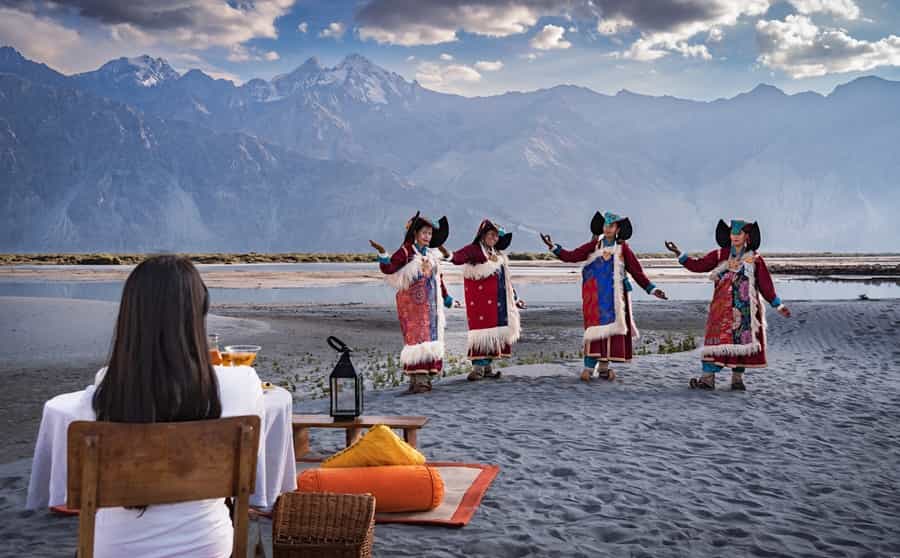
x=134 y=465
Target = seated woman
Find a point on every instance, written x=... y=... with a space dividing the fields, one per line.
x=159 y=371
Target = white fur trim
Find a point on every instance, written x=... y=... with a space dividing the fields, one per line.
x=618 y=327
x=634 y=330
x=408 y=274
x=493 y=339
x=757 y=324
x=486 y=269
x=423 y=352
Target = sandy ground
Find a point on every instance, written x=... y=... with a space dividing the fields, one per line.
x=803 y=464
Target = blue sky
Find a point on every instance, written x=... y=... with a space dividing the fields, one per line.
x=699 y=49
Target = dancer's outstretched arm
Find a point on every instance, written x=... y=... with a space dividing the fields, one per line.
x=634 y=268
x=389 y=264
x=698 y=265
x=579 y=254
x=767 y=287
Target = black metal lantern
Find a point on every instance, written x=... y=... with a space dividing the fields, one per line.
x=346 y=385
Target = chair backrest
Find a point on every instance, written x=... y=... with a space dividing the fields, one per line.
x=133 y=465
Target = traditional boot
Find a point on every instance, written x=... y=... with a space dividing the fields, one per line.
x=604 y=372
x=706 y=381
x=586 y=374
x=476 y=374
x=737 y=381
x=490 y=373
x=419 y=383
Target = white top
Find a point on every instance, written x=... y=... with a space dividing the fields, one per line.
x=199 y=529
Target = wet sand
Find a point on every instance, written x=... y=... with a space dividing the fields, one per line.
x=803 y=464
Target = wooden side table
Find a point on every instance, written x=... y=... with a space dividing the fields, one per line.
x=353 y=428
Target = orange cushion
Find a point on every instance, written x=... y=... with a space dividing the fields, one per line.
x=396 y=488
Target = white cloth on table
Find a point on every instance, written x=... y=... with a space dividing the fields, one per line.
x=199 y=528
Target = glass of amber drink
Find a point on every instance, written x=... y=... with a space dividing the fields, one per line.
x=215 y=355
x=241 y=355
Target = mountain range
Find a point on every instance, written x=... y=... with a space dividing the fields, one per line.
x=136 y=156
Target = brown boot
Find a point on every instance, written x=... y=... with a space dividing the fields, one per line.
x=419 y=383
x=586 y=375
x=706 y=381
x=476 y=374
x=604 y=372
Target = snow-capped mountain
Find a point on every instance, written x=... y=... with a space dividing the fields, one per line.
x=127 y=79
x=818 y=171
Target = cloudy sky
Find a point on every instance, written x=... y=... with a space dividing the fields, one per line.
x=700 y=49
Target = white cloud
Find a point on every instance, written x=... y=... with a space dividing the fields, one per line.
x=613 y=25
x=29 y=34
x=190 y=24
x=846 y=9
x=87 y=33
x=653 y=45
x=665 y=26
x=240 y=53
x=421 y=24
x=801 y=49
x=531 y=57
x=410 y=58
x=488 y=66
x=335 y=30
x=72 y=51
x=715 y=35
x=446 y=57
x=303 y=27
x=550 y=37
x=445 y=78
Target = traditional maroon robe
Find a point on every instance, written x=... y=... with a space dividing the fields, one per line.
x=615 y=347
x=491 y=311
x=721 y=308
x=423 y=349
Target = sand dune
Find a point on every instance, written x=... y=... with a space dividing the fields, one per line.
x=803 y=464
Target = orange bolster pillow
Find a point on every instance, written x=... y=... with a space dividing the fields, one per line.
x=396 y=488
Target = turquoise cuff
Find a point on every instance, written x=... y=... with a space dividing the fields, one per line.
x=448 y=301
x=628 y=287
x=384 y=258
x=776 y=302
x=650 y=288
x=556 y=249
x=682 y=258
x=711 y=368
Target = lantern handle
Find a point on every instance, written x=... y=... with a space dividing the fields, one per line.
x=338 y=345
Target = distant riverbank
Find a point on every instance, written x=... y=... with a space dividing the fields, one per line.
x=808 y=264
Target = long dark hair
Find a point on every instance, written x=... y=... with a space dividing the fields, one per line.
x=159 y=369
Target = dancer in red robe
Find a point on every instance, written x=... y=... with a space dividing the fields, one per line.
x=736 y=327
x=492 y=307
x=606 y=292
x=414 y=270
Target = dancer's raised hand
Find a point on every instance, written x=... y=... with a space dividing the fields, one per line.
x=660 y=294
x=548 y=241
x=671 y=247
x=521 y=304
x=377 y=246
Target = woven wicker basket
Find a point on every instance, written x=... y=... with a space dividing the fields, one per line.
x=323 y=525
